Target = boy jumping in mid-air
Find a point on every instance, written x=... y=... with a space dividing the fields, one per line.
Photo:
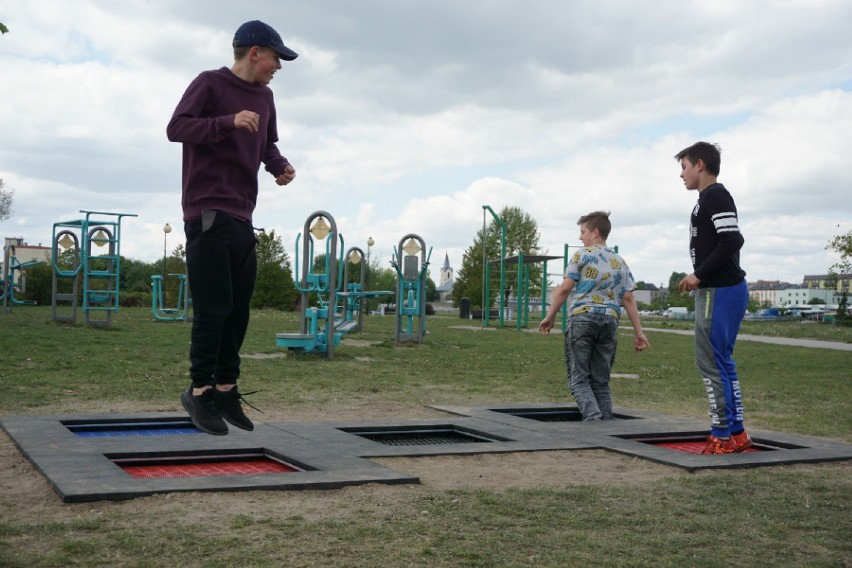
x=227 y=123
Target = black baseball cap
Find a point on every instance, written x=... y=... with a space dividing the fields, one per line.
x=257 y=33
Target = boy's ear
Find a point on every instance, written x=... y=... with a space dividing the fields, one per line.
x=700 y=165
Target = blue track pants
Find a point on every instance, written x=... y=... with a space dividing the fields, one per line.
x=718 y=314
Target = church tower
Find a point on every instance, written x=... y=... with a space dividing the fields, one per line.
x=445 y=288
x=446 y=270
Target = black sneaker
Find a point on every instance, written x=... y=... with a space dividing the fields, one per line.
x=203 y=412
x=231 y=409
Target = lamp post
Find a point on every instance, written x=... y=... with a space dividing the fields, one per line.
x=166 y=230
x=370 y=243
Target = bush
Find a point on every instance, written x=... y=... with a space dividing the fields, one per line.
x=135 y=299
x=39 y=287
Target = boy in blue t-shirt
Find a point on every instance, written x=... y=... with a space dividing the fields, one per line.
x=602 y=286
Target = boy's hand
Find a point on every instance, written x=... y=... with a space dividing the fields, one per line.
x=640 y=342
x=689 y=283
x=248 y=120
x=286 y=176
x=545 y=326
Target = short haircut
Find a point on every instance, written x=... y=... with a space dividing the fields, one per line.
x=597 y=220
x=710 y=154
x=241 y=52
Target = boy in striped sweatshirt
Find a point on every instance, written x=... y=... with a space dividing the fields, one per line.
x=721 y=294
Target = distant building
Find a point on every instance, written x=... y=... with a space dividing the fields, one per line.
x=445 y=287
x=765 y=292
x=822 y=287
x=24 y=252
x=800 y=296
x=837 y=282
x=647 y=294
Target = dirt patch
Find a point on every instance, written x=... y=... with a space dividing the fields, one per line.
x=262 y=356
x=360 y=342
x=530 y=469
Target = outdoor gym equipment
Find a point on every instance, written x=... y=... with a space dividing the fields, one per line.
x=74 y=254
x=353 y=298
x=322 y=326
x=411 y=287
x=352 y=301
x=158 y=299
x=486 y=270
x=523 y=262
x=9 y=285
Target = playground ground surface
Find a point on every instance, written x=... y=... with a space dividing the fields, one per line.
x=551 y=508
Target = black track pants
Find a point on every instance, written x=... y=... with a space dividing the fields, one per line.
x=221 y=265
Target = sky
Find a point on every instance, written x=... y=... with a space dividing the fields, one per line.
x=409 y=116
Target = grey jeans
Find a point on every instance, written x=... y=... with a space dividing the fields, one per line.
x=590 y=344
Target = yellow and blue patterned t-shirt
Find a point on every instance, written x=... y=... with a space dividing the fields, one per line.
x=601 y=277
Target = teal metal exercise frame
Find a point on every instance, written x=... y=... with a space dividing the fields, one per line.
x=74 y=255
x=411 y=275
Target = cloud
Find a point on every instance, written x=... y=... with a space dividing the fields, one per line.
x=409 y=117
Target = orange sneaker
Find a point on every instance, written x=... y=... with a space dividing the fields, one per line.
x=718 y=446
x=742 y=440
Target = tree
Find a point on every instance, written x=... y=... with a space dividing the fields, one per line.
x=842 y=316
x=843 y=245
x=674 y=280
x=521 y=236
x=3 y=29
x=468 y=282
x=136 y=275
x=384 y=279
x=39 y=283
x=754 y=305
x=5 y=201
x=676 y=298
x=274 y=287
x=432 y=294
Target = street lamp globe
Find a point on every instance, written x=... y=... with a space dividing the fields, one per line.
x=166 y=230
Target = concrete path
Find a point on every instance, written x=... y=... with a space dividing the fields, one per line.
x=813 y=343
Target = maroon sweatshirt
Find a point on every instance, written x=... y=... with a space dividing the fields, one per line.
x=220 y=162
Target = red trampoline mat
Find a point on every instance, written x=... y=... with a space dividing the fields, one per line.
x=692 y=447
x=260 y=466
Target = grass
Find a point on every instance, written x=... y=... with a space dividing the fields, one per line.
x=786 y=515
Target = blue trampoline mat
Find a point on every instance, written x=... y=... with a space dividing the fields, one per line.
x=139 y=432
x=146 y=428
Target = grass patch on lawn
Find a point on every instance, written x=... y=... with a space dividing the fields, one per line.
x=786 y=515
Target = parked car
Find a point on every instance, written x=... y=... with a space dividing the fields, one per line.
x=676 y=313
x=766 y=314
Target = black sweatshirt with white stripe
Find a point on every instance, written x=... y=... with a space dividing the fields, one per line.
x=715 y=239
